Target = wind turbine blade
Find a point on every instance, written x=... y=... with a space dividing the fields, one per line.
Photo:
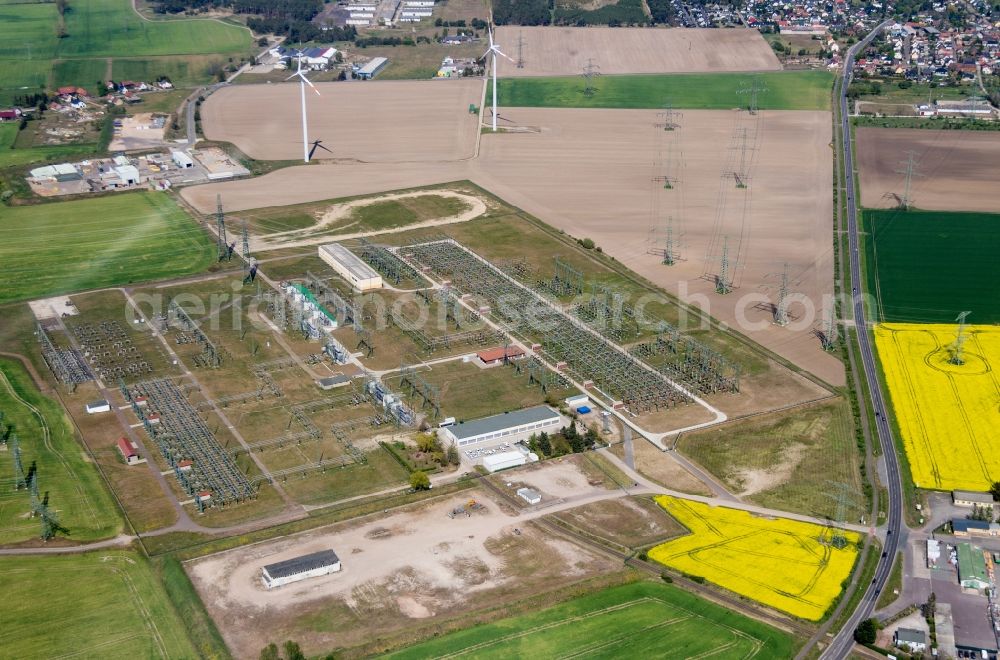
x=309 y=82
x=291 y=76
x=318 y=144
x=491 y=36
x=502 y=54
x=488 y=51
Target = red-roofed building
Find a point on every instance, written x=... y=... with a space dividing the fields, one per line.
x=494 y=355
x=128 y=450
x=185 y=465
x=10 y=115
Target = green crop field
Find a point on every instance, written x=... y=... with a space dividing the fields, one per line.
x=927 y=266
x=76 y=492
x=635 y=620
x=786 y=90
x=104 y=604
x=96 y=30
x=10 y=156
x=106 y=241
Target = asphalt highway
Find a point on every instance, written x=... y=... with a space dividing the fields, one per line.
x=841 y=645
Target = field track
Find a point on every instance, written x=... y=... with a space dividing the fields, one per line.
x=554 y=51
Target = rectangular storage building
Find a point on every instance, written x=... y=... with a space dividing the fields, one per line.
x=504 y=460
x=350 y=266
x=506 y=425
x=972 y=567
x=300 y=568
x=971 y=498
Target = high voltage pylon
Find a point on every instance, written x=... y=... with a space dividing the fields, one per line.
x=220 y=221
x=723 y=282
x=743 y=143
x=754 y=89
x=781 y=306
x=520 y=50
x=20 y=481
x=828 y=336
x=844 y=497
x=957 y=347
x=909 y=171
x=668 y=118
x=590 y=71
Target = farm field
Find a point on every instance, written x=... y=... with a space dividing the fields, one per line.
x=555 y=51
x=104 y=241
x=96 y=29
x=254 y=118
x=106 y=604
x=583 y=166
x=634 y=620
x=956 y=168
x=927 y=266
x=9 y=156
x=786 y=90
x=76 y=492
x=780 y=563
x=947 y=414
x=777 y=460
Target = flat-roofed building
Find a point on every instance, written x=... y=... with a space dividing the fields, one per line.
x=971 y=498
x=506 y=426
x=972 y=567
x=315 y=564
x=350 y=266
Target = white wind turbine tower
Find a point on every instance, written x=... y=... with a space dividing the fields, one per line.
x=303 y=81
x=495 y=50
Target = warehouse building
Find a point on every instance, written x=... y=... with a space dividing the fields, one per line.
x=350 y=266
x=971 y=498
x=98 y=407
x=972 y=567
x=529 y=495
x=506 y=426
x=496 y=355
x=372 y=68
x=504 y=461
x=316 y=564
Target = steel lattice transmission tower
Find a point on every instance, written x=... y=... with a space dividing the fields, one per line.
x=220 y=222
x=753 y=90
x=910 y=170
x=670 y=252
x=520 y=50
x=957 y=347
x=828 y=336
x=723 y=282
x=590 y=71
x=668 y=118
x=20 y=481
x=844 y=497
x=781 y=306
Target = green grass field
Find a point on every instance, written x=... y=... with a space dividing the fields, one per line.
x=927 y=266
x=97 y=30
x=635 y=620
x=104 y=604
x=76 y=492
x=9 y=156
x=786 y=90
x=105 y=241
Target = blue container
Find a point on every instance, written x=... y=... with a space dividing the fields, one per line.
x=583 y=410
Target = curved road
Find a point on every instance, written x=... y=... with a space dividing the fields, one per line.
x=842 y=644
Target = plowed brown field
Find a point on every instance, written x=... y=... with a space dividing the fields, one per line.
x=957 y=169
x=563 y=51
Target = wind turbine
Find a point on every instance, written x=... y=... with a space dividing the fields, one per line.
x=495 y=50
x=303 y=81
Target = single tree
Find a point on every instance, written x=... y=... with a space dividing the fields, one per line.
x=866 y=632
x=270 y=652
x=292 y=651
x=995 y=491
x=420 y=481
x=544 y=443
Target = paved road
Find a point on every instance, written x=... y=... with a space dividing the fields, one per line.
x=843 y=643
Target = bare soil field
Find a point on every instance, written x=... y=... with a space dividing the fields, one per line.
x=630 y=521
x=957 y=168
x=589 y=173
x=400 y=572
x=561 y=51
x=384 y=122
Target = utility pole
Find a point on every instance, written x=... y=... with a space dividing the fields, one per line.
x=589 y=72
x=220 y=220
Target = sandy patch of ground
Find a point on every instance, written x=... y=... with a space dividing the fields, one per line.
x=337 y=212
x=384 y=122
x=555 y=479
x=406 y=567
x=776 y=388
x=138 y=132
x=632 y=522
x=957 y=168
x=757 y=481
x=555 y=51
x=589 y=172
x=661 y=467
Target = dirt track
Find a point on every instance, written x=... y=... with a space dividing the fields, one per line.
x=387 y=122
x=562 y=51
x=957 y=168
x=589 y=172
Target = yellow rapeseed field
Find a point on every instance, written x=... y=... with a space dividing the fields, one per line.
x=785 y=564
x=949 y=415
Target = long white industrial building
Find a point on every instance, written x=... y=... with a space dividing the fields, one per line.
x=507 y=425
x=319 y=563
x=350 y=266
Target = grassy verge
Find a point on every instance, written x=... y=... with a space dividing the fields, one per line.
x=864 y=579
x=179 y=590
x=894 y=586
